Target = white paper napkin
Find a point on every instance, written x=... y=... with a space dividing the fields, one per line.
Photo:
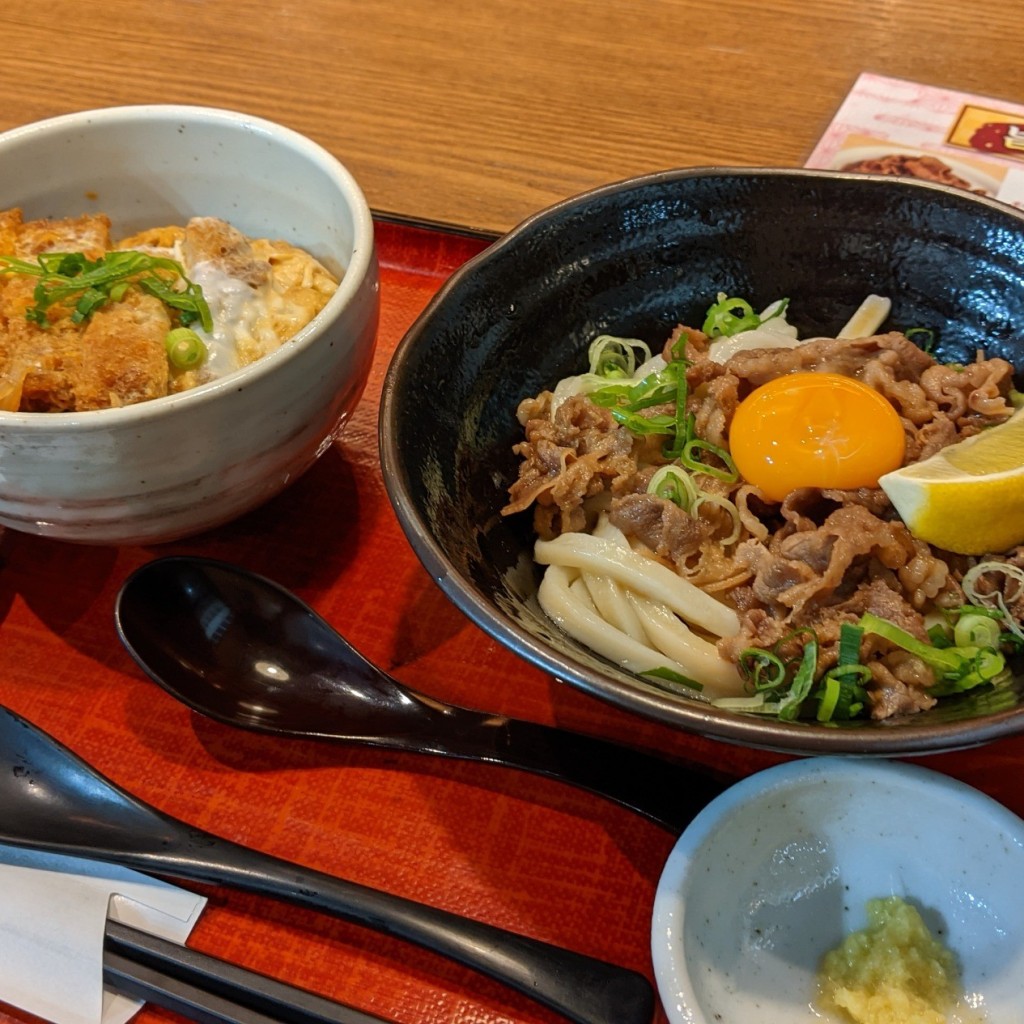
x=53 y=914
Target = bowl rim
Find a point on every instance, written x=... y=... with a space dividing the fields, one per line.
x=360 y=268
x=877 y=739
x=746 y=795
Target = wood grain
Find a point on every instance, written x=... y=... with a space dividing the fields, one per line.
x=481 y=113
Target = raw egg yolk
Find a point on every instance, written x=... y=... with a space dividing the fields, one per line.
x=815 y=430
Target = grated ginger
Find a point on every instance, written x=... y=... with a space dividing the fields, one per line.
x=892 y=972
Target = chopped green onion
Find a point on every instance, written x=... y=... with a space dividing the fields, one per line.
x=683 y=423
x=786 y=687
x=832 y=688
x=730 y=474
x=71 y=278
x=841 y=695
x=643 y=426
x=679 y=347
x=789 y=705
x=1011 y=643
x=754 y=704
x=656 y=388
x=926 y=336
x=939 y=636
x=972 y=660
x=613 y=357
x=976 y=631
x=976 y=609
x=850 y=637
x=674 y=484
x=729 y=316
x=764 y=669
x=669 y=675
x=91 y=300
x=625 y=401
x=185 y=349
x=956 y=668
x=995 y=600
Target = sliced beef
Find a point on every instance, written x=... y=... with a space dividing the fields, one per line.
x=566 y=458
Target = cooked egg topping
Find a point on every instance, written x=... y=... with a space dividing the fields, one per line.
x=248 y=322
x=260 y=293
x=815 y=430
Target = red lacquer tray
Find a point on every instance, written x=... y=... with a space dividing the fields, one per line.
x=516 y=850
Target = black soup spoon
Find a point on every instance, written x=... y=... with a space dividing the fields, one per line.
x=244 y=651
x=52 y=800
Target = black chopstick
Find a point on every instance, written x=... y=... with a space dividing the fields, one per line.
x=209 y=990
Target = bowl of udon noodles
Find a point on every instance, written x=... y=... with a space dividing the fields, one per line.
x=188 y=310
x=703 y=444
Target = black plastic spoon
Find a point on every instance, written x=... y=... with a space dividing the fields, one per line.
x=242 y=650
x=52 y=800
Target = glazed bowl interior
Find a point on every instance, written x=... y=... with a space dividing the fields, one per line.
x=636 y=259
x=157 y=164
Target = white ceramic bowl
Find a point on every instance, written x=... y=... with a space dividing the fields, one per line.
x=773 y=874
x=176 y=465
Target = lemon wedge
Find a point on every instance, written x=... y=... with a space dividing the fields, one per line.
x=969 y=497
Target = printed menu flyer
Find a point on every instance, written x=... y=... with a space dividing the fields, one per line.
x=896 y=127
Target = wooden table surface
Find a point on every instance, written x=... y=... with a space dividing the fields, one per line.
x=480 y=113
x=463 y=113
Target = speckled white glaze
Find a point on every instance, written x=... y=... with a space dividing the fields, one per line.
x=777 y=870
x=177 y=465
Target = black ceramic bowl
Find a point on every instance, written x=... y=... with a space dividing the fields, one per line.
x=636 y=259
